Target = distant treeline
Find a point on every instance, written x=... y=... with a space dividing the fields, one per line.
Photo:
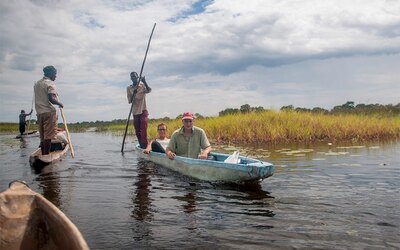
x=347 y=108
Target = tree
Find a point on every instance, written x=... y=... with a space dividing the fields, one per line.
x=245 y=108
x=287 y=108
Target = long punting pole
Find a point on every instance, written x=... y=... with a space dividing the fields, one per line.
x=66 y=130
x=30 y=116
x=140 y=76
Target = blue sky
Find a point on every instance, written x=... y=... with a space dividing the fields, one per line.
x=205 y=56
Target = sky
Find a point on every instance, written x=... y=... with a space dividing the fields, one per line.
x=205 y=56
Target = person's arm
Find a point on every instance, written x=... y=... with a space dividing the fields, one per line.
x=148 y=89
x=204 y=154
x=30 y=112
x=170 y=154
x=53 y=99
x=148 y=148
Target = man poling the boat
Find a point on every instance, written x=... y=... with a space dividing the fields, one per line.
x=137 y=96
x=45 y=97
x=141 y=111
x=188 y=141
x=22 y=121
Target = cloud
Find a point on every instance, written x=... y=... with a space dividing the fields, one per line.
x=205 y=55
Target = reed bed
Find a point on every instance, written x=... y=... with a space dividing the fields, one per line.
x=289 y=127
x=11 y=127
x=269 y=127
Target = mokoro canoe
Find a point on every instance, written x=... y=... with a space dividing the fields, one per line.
x=214 y=170
x=30 y=221
x=28 y=135
x=37 y=160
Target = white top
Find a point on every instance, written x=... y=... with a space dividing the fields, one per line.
x=139 y=100
x=42 y=88
x=163 y=143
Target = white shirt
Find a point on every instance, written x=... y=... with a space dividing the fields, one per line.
x=163 y=143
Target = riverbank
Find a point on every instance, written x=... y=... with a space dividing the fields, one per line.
x=266 y=127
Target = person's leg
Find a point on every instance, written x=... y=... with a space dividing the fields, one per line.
x=136 y=125
x=21 y=128
x=46 y=146
x=156 y=147
x=143 y=129
x=41 y=132
x=50 y=130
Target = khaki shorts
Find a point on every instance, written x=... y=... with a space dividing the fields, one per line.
x=47 y=125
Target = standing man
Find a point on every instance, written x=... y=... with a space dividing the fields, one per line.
x=22 y=121
x=139 y=111
x=188 y=141
x=46 y=95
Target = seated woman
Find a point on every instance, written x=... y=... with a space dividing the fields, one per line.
x=160 y=143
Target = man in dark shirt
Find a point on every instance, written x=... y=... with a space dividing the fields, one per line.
x=22 y=121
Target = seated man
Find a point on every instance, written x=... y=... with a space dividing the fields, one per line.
x=159 y=144
x=188 y=141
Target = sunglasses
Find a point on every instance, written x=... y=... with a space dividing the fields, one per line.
x=162 y=129
x=188 y=121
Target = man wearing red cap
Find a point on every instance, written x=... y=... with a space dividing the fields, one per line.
x=188 y=141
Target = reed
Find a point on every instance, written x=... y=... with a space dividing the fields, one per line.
x=11 y=127
x=290 y=127
x=283 y=127
x=267 y=127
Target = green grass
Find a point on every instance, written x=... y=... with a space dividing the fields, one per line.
x=269 y=127
x=9 y=127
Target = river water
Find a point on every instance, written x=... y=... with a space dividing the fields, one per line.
x=320 y=197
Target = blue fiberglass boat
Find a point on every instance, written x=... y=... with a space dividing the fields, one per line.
x=215 y=169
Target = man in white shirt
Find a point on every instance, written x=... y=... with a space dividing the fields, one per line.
x=45 y=97
x=139 y=111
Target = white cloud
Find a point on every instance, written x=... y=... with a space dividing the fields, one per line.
x=264 y=53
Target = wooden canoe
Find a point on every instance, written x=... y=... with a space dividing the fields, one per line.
x=214 y=170
x=28 y=135
x=37 y=160
x=30 y=221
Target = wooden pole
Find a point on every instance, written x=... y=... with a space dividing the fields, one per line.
x=66 y=129
x=30 y=116
x=140 y=76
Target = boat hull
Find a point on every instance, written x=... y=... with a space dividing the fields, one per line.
x=215 y=170
x=37 y=160
x=28 y=135
x=30 y=221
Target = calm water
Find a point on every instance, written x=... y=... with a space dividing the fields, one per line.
x=319 y=198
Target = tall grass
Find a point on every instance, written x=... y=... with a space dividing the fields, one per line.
x=291 y=126
x=10 y=127
x=283 y=127
x=271 y=127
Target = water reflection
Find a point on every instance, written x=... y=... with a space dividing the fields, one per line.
x=49 y=182
x=190 y=199
x=142 y=202
x=23 y=143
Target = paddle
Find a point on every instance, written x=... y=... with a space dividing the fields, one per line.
x=66 y=129
x=140 y=76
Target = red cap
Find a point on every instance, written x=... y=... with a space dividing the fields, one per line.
x=187 y=116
